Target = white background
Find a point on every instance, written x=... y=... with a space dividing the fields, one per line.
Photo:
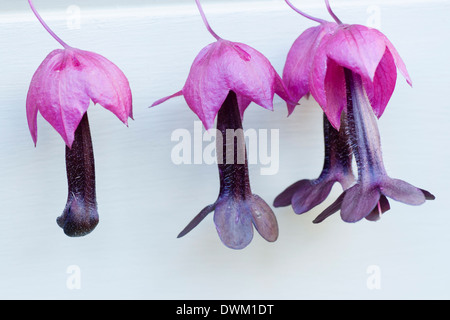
x=145 y=200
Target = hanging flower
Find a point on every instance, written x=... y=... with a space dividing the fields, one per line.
x=224 y=79
x=351 y=72
x=61 y=90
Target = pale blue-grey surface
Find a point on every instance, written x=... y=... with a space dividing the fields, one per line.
x=145 y=200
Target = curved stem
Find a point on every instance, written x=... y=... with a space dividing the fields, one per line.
x=65 y=45
x=206 y=21
x=304 y=14
x=332 y=13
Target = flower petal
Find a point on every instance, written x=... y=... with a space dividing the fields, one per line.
x=359 y=202
x=357 y=48
x=205 y=89
x=310 y=194
x=299 y=61
x=398 y=60
x=159 y=101
x=225 y=66
x=197 y=219
x=428 y=195
x=36 y=97
x=380 y=90
x=106 y=84
x=254 y=79
x=263 y=218
x=376 y=212
x=319 y=65
x=63 y=85
x=333 y=208
x=336 y=93
x=233 y=220
x=402 y=191
x=57 y=91
x=285 y=197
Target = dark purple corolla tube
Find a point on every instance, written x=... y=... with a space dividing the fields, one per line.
x=80 y=215
x=367 y=198
x=236 y=209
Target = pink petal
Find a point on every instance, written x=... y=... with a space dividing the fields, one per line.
x=106 y=84
x=398 y=60
x=225 y=66
x=57 y=92
x=336 y=93
x=357 y=48
x=205 y=89
x=243 y=103
x=319 y=68
x=255 y=78
x=35 y=98
x=159 y=101
x=63 y=85
x=296 y=72
x=282 y=91
x=380 y=90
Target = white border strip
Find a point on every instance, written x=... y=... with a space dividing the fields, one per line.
x=183 y=10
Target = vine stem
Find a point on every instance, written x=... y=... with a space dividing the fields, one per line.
x=205 y=21
x=304 y=14
x=65 y=45
x=338 y=21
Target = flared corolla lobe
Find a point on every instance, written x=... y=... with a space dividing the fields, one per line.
x=64 y=84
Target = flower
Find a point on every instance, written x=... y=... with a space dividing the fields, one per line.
x=224 y=78
x=64 y=84
x=317 y=58
x=225 y=66
x=373 y=183
x=61 y=90
x=350 y=70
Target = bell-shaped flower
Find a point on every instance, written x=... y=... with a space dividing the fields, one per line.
x=225 y=66
x=224 y=79
x=65 y=83
x=61 y=90
x=316 y=61
x=350 y=70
